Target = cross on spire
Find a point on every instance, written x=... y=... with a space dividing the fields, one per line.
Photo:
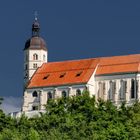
x=36 y=15
x=35 y=25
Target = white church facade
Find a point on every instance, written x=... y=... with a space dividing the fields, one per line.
x=114 y=78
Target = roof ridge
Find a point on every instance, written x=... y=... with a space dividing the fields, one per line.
x=64 y=70
x=120 y=64
x=118 y=56
x=93 y=58
x=70 y=60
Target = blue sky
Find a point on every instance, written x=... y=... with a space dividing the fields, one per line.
x=73 y=29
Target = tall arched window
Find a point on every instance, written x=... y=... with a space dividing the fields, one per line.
x=64 y=94
x=132 y=88
x=101 y=90
x=35 y=56
x=49 y=95
x=123 y=88
x=112 y=90
x=78 y=92
x=35 y=94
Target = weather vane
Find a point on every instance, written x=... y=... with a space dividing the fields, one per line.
x=36 y=15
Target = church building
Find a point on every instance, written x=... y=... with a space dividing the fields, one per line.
x=115 y=78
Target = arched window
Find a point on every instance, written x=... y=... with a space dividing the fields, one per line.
x=35 y=56
x=78 y=92
x=112 y=90
x=35 y=66
x=123 y=89
x=49 y=95
x=132 y=88
x=64 y=94
x=35 y=94
x=44 y=57
x=101 y=90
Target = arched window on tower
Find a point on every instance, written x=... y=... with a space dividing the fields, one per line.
x=78 y=92
x=35 y=66
x=35 y=56
x=44 y=57
x=35 y=94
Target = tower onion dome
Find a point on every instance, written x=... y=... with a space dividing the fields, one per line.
x=35 y=42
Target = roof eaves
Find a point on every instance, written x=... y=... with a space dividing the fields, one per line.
x=69 y=84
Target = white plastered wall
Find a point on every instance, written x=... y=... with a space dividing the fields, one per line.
x=39 y=62
x=28 y=60
x=117 y=79
x=41 y=100
x=91 y=83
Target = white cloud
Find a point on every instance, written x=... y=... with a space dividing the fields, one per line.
x=11 y=104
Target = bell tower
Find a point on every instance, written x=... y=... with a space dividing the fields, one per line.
x=35 y=52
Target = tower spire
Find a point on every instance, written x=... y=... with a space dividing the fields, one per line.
x=35 y=26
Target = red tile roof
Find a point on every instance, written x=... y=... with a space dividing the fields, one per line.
x=118 y=64
x=69 y=70
x=85 y=68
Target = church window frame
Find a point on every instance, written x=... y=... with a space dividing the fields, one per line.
x=132 y=88
x=64 y=94
x=35 y=65
x=123 y=88
x=112 y=90
x=78 y=92
x=44 y=57
x=50 y=95
x=101 y=90
x=35 y=94
x=35 y=56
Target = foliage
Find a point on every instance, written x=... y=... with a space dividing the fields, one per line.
x=78 y=118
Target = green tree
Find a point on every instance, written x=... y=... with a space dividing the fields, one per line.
x=78 y=118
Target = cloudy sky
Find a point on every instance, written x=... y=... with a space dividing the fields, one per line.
x=73 y=29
